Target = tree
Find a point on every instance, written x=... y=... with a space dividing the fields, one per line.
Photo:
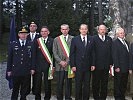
x=1 y=18
x=100 y=11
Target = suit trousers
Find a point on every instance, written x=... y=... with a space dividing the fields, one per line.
x=120 y=85
x=21 y=83
x=82 y=85
x=38 y=76
x=62 y=76
x=131 y=84
x=100 y=84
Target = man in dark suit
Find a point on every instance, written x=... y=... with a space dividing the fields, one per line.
x=19 y=65
x=121 y=60
x=41 y=64
x=103 y=62
x=81 y=60
x=33 y=35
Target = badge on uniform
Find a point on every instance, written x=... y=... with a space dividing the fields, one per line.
x=28 y=47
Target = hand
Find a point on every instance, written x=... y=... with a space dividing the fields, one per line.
x=74 y=69
x=93 y=68
x=9 y=73
x=63 y=63
x=117 y=70
x=130 y=72
x=32 y=72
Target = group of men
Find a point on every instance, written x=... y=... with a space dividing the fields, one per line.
x=84 y=55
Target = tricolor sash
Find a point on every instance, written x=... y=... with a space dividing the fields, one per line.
x=47 y=55
x=66 y=50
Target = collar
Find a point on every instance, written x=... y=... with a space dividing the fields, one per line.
x=83 y=37
x=45 y=39
x=21 y=41
x=101 y=36
x=121 y=39
x=65 y=36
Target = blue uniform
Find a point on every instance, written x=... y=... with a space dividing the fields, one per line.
x=19 y=63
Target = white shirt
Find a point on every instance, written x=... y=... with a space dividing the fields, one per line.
x=66 y=37
x=22 y=41
x=102 y=37
x=82 y=37
x=32 y=35
x=45 y=39
x=124 y=43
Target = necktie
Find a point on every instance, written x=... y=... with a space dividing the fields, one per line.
x=102 y=38
x=44 y=41
x=65 y=38
x=124 y=43
x=32 y=37
x=84 y=42
x=22 y=44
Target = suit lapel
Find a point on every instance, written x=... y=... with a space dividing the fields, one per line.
x=122 y=44
x=81 y=43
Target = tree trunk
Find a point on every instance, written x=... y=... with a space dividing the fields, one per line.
x=1 y=17
x=91 y=24
x=18 y=15
x=100 y=11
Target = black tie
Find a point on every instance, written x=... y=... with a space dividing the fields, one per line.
x=65 y=38
x=44 y=41
x=84 y=41
x=22 y=44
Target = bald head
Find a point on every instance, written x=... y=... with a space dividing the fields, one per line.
x=102 y=29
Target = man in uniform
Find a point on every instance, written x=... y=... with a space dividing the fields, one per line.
x=19 y=65
x=62 y=62
x=41 y=62
x=33 y=34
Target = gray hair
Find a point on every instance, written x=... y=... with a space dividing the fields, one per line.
x=66 y=25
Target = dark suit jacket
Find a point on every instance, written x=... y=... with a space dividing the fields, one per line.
x=102 y=52
x=81 y=57
x=19 y=59
x=36 y=37
x=39 y=62
x=121 y=57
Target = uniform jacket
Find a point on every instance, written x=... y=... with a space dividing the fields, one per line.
x=19 y=59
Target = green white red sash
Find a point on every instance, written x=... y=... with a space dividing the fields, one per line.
x=47 y=55
x=66 y=50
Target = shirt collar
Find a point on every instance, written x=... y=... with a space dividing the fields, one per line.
x=21 y=41
x=101 y=36
x=45 y=39
x=83 y=37
x=121 y=39
x=65 y=36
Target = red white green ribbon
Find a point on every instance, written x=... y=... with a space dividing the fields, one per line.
x=66 y=51
x=47 y=55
